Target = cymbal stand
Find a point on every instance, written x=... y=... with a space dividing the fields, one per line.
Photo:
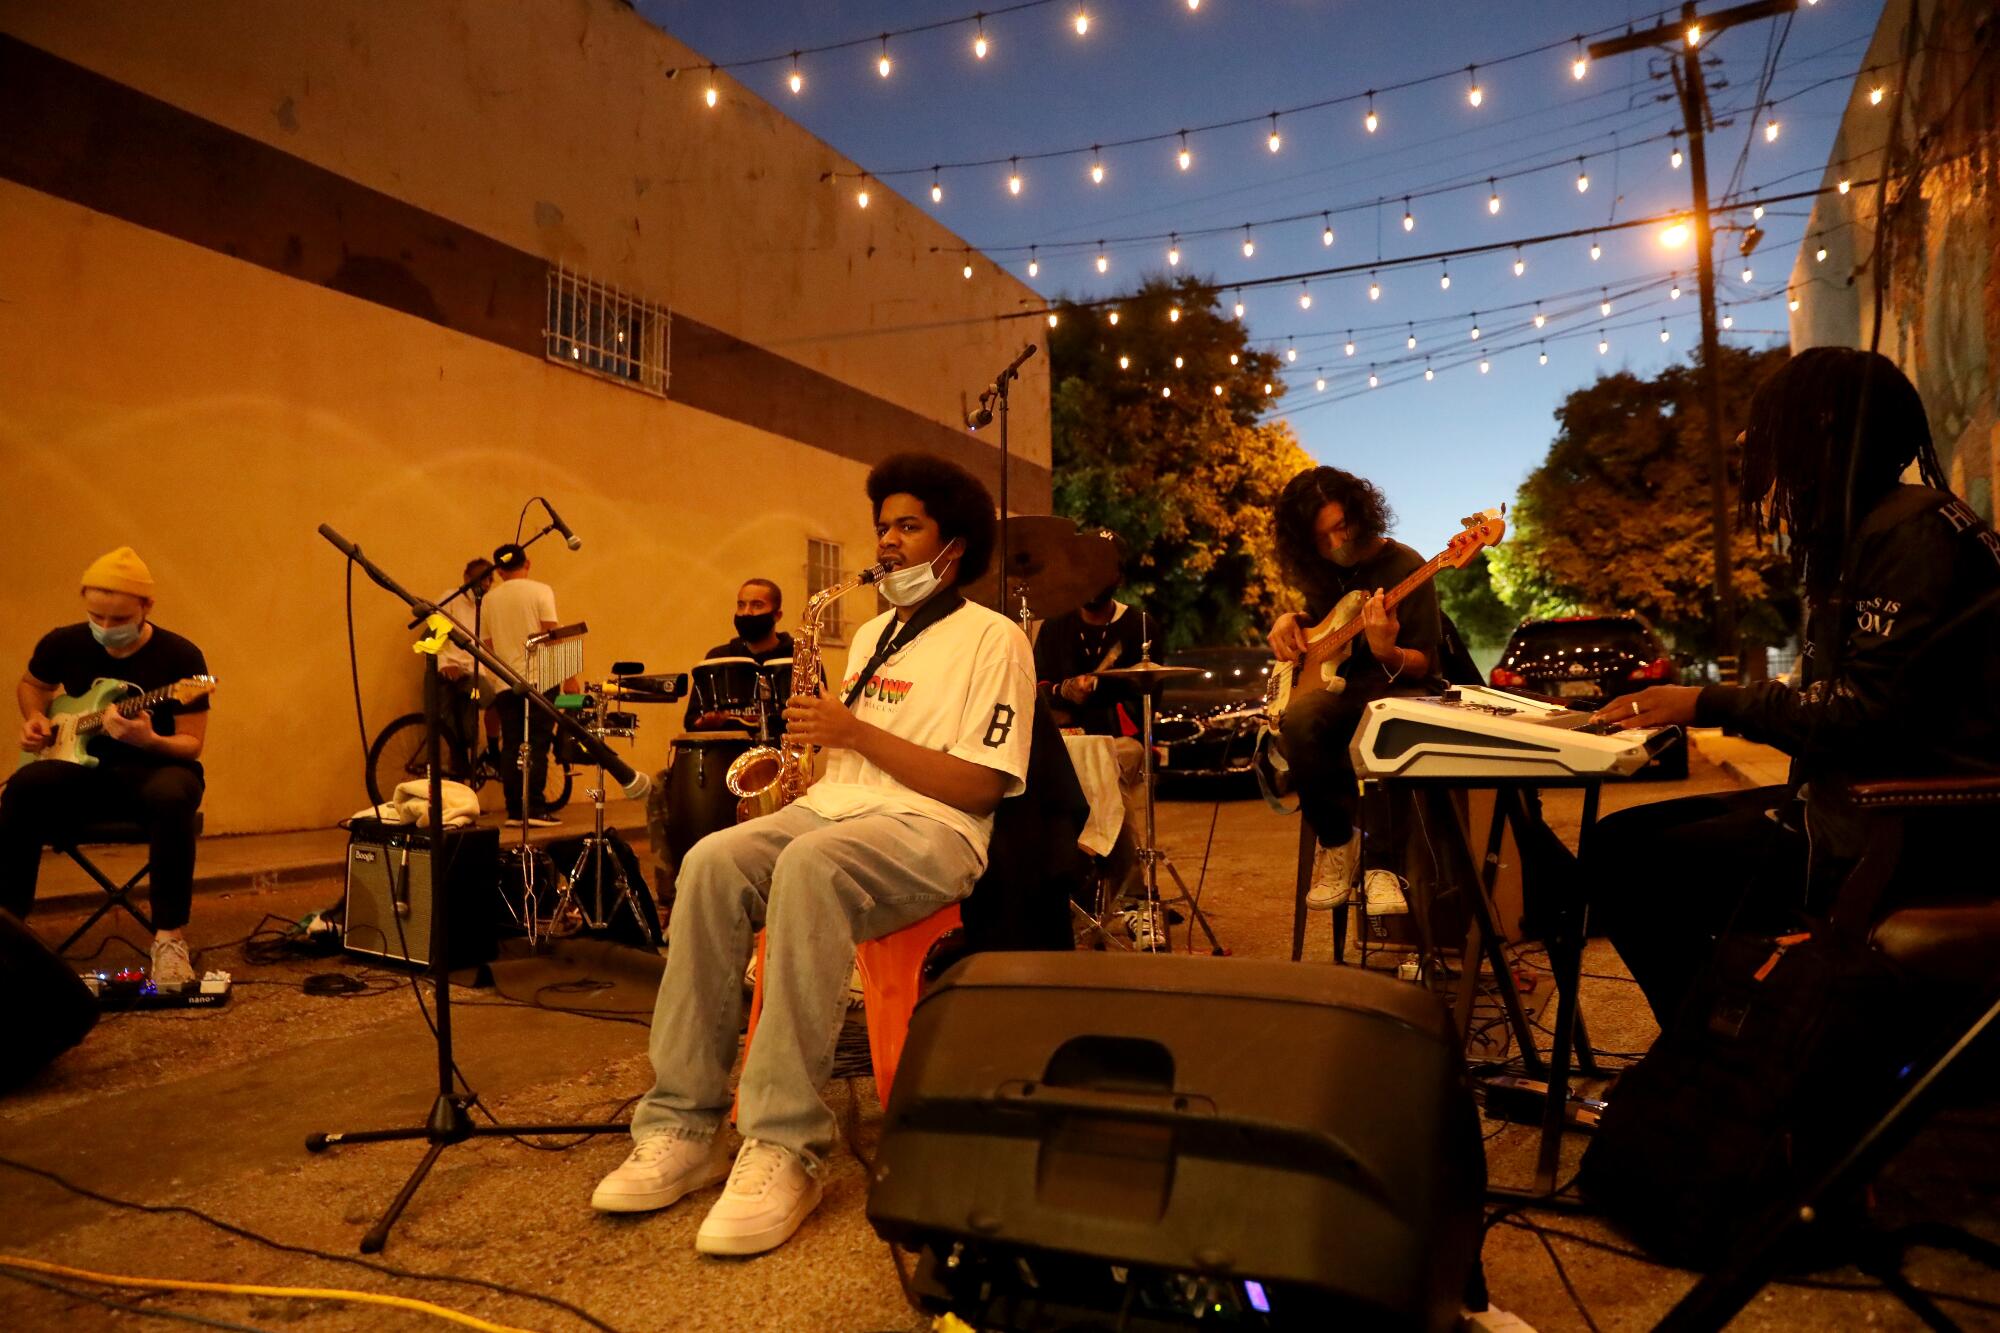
x=1150 y=856
x=592 y=851
x=521 y=757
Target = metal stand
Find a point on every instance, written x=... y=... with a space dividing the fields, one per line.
x=450 y=1120
x=1151 y=857
x=592 y=851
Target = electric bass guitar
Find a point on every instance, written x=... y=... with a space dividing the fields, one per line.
x=76 y=722
x=1330 y=643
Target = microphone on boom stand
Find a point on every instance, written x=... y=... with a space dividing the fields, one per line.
x=575 y=542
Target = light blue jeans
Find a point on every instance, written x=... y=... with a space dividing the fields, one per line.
x=820 y=887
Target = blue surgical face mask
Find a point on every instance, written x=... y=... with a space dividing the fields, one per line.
x=117 y=636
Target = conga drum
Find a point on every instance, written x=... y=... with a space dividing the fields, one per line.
x=724 y=690
x=697 y=800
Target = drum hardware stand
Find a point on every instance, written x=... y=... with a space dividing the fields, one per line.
x=450 y=1120
x=1151 y=858
x=594 y=844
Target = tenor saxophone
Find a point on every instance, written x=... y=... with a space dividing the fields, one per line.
x=767 y=778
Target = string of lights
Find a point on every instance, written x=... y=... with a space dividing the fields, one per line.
x=1475 y=90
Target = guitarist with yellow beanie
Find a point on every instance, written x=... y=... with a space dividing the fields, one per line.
x=84 y=758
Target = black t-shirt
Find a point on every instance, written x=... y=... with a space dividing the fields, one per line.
x=72 y=658
x=1418 y=625
x=1069 y=646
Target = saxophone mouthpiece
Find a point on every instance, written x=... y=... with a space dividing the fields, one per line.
x=874 y=572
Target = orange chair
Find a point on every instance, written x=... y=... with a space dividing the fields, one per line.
x=891 y=976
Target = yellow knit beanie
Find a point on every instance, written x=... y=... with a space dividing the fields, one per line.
x=120 y=571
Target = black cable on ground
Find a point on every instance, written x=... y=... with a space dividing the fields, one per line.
x=235 y=1229
x=143 y=1311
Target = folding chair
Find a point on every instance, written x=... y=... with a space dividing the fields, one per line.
x=116 y=832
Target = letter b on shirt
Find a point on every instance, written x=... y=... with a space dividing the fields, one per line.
x=1000 y=727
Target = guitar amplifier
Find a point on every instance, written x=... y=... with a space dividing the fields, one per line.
x=392 y=885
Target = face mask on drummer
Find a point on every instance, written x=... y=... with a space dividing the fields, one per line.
x=908 y=587
x=757 y=628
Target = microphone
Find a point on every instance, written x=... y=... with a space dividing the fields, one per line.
x=1017 y=363
x=982 y=415
x=575 y=542
x=641 y=783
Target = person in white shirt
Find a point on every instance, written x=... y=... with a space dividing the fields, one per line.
x=513 y=612
x=927 y=734
x=466 y=692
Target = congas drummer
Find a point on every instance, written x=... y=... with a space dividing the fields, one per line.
x=726 y=693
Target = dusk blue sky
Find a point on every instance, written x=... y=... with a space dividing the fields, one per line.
x=1439 y=449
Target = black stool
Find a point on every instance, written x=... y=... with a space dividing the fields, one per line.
x=119 y=832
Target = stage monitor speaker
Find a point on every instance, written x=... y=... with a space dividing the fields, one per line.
x=47 y=1006
x=1148 y=1141
x=391 y=885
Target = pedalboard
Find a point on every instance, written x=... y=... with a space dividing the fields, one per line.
x=133 y=988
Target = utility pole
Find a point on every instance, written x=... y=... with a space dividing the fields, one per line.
x=1688 y=36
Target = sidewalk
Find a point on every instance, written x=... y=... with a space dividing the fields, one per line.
x=1749 y=763
x=235 y=861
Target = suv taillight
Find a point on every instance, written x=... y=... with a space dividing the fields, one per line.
x=1660 y=668
x=1502 y=676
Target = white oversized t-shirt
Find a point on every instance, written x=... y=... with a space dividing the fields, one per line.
x=966 y=686
x=514 y=611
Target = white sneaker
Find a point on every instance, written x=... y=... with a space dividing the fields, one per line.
x=1384 y=891
x=170 y=961
x=661 y=1169
x=769 y=1193
x=1333 y=874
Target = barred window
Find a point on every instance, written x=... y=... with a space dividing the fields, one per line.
x=597 y=328
x=823 y=570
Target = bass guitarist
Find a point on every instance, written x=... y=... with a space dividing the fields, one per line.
x=1332 y=540
x=148 y=767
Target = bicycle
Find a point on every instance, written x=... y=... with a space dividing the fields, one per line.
x=400 y=749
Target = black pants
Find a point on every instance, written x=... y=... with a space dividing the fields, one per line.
x=1316 y=731
x=1667 y=879
x=49 y=801
x=541 y=729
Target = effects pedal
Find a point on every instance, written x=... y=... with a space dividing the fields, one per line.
x=1520 y=1100
x=132 y=988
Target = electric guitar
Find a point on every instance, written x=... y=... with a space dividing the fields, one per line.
x=78 y=721
x=1329 y=643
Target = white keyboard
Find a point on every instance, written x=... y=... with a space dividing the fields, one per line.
x=1477 y=732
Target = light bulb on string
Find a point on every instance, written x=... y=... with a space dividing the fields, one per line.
x=1082 y=23
x=1520 y=262
x=1193 y=5
x=1249 y=243
x=1544 y=353
x=1180 y=362
x=979 y=37
x=1604 y=305
x=1429 y=374
x=1291 y=352
x=1484 y=365
x=1267 y=388
x=1350 y=342
x=1596 y=250
x=1052 y=319
x=1748 y=273
x=1411 y=340
x=1173 y=315
x=1326 y=229
x=1305 y=297
x=1674 y=292
x=711 y=96
x=882 y=65
x=968 y=277
x=1124 y=363
x=1473 y=93
x=1819 y=255
x=1728 y=320
x=1166 y=391
x=1274 y=142
x=1239 y=303
x=937 y=187
x=1674 y=158
x=1185 y=157
x=1112 y=318
x=1475 y=326
x=1844 y=185
x=1664 y=335
x=1373 y=381
x=1374 y=287
x=1096 y=165
x=1372 y=121
x=1757 y=213
x=1540 y=318
x=1234 y=358
x=1603 y=343
x=1218 y=391
x=1793 y=303
x=1173 y=249
x=1034 y=263
x=1582 y=177
x=1493 y=196
x=797 y=79
x=1103 y=260
x=861 y=195
x=1771 y=130
x=1013 y=175
x=1444 y=279
x=1580 y=65
x=1694 y=34
x=1409 y=219
x=1320 y=384
x=1876 y=94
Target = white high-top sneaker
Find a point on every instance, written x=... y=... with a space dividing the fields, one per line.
x=1333 y=874
x=1384 y=891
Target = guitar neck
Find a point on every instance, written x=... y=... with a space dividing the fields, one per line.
x=131 y=707
x=1341 y=637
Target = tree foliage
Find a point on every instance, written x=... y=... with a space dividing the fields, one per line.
x=1618 y=517
x=1467 y=596
x=1189 y=478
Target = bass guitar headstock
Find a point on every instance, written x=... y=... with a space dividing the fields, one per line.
x=1482 y=530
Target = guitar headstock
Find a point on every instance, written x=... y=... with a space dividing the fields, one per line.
x=1482 y=530
x=185 y=692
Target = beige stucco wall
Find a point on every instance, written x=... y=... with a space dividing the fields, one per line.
x=212 y=413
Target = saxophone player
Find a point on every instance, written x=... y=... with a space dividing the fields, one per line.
x=925 y=736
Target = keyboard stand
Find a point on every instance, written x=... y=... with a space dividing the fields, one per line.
x=1568 y=925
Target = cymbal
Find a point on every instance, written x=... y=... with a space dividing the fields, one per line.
x=1146 y=674
x=1050 y=563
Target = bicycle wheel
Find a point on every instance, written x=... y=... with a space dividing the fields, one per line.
x=399 y=754
x=556 y=784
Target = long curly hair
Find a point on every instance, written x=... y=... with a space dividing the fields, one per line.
x=1829 y=434
x=1368 y=517
x=959 y=501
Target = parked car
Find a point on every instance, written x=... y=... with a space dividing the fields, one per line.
x=1589 y=660
x=1206 y=725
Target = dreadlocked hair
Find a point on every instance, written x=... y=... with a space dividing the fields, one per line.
x=1829 y=434
x=1367 y=513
